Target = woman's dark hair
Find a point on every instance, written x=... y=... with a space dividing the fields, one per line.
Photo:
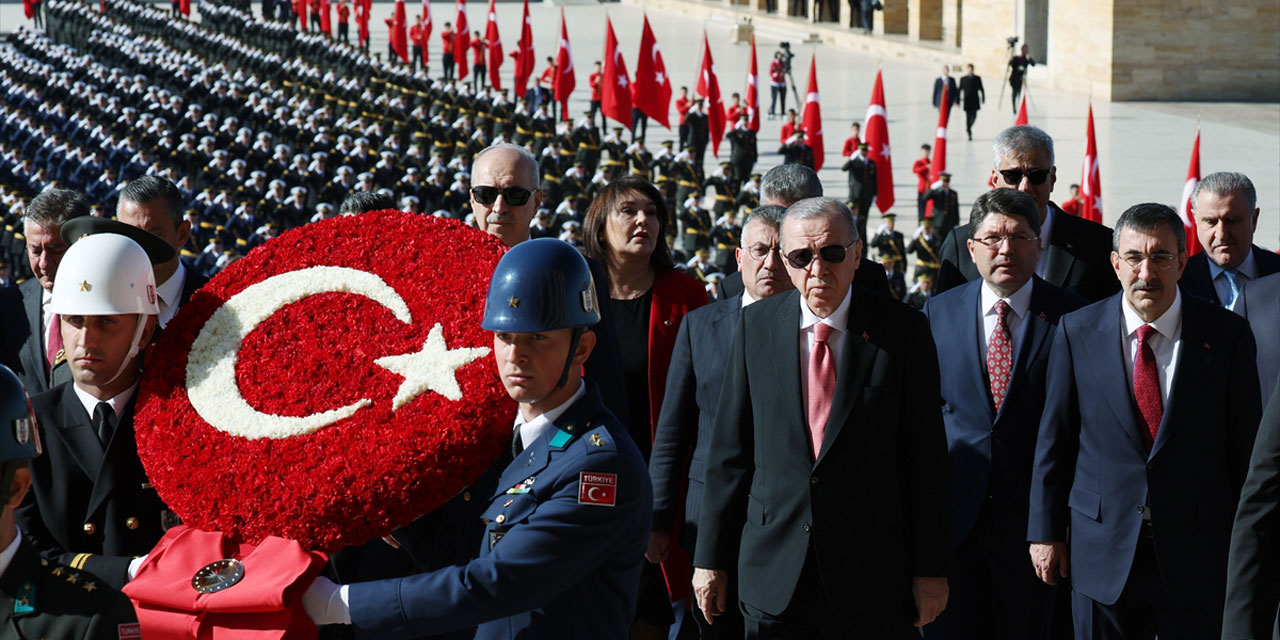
x=606 y=202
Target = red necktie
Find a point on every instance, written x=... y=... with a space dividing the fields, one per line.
x=1146 y=386
x=822 y=384
x=53 y=343
x=1000 y=356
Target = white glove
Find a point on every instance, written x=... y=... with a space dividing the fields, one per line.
x=134 y=565
x=325 y=604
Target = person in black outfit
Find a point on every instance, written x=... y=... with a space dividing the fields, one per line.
x=1017 y=70
x=972 y=97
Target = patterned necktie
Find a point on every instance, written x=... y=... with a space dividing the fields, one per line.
x=1233 y=284
x=1000 y=356
x=822 y=385
x=53 y=343
x=1146 y=386
x=104 y=418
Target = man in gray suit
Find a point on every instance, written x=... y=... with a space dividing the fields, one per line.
x=28 y=332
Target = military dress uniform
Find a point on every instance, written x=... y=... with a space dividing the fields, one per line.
x=43 y=599
x=565 y=535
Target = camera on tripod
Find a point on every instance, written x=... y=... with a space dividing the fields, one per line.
x=787 y=55
x=1013 y=42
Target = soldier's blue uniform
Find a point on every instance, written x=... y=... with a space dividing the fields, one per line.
x=552 y=564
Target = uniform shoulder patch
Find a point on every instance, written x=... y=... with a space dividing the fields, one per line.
x=600 y=489
x=129 y=631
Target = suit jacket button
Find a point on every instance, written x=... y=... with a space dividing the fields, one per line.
x=500 y=519
x=466 y=497
x=813 y=480
x=807 y=528
x=1141 y=508
x=90 y=528
x=131 y=522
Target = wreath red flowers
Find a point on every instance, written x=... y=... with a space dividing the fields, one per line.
x=404 y=450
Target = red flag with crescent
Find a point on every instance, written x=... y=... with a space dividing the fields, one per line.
x=615 y=94
x=813 y=116
x=709 y=88
x=495 y=47
x=878 y=145
x=1185 y=205
x=461 y=40
x=1091 y=179
x=565 y=78
x=524 y=53
x=652 y=93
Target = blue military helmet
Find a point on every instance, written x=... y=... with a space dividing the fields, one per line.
x=19 y=438
x=541 y=285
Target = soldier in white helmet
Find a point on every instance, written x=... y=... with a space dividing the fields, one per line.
x=91 y=506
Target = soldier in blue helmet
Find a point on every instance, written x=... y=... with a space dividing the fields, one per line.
x=567 y=526
x=41 y=598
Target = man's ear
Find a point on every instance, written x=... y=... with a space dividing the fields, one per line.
x=586 y=344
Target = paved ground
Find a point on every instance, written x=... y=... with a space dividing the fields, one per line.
x=1143 y=147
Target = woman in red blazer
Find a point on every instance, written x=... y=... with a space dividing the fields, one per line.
x=625 y=230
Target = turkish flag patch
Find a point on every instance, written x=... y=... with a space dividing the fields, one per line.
x=130 y=630
x=598 y=488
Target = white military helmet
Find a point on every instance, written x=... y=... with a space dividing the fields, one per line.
x=104 y=274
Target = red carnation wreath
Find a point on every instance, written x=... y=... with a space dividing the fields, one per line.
x=329 y=387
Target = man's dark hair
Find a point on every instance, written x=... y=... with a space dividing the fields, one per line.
x=1009 y=202
x=150 y=188
x=787 y=184
x=1148 y=217
x=608 y=200
x=364 y=202
x=770 y=214
x=54 y=207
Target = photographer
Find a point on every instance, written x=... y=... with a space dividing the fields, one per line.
x=1018 y=69
x=778 y=71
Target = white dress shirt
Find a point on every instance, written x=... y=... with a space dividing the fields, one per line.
x=530 y=430
x=1248 y=270
x=747 y=298
x=170 y=294
x=6 y=556
x=1046 y=235
x=838 y=320
x=1166 y=344
x=117 y=403
x=1018 y=303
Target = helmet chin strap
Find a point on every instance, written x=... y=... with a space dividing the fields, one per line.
x=134 y=349
x=568 y=365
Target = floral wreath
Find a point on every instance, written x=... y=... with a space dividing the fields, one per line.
x=332 y=385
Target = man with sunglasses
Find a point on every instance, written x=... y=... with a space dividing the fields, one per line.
x=1151 y=409
x=992 y=396
x=826 y=486
x=1074 y=252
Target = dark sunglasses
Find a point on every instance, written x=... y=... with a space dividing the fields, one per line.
x=514 y=196
x=1034 y=176
x=830 y=254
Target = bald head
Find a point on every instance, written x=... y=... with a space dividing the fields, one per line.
x=504 y=166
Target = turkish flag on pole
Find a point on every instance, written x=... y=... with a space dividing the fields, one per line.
x=813 y=116
x=939 y=162
x=326 y=17
x=426 y=31
x=28 y=9
x=652 y=93
x=564 y=81
x=1184 y=209
x=184 y=6
x=524 y=53
x=709 y=88
x=753 y=92
x=495 y=47
x=399 y=41
x=300 y=10
x=461 y=40
x=878 y=145
x=362 y=20
x=1022 y=112
x=615 y=90
x=1090 y=178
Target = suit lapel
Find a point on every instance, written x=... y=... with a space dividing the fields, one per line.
x=1060 y=261
x=77 y=434
x=1105 y=350
x=1035 y=327
x=851 y=373
x=31 y=297
x=971 y=331
x=784 y=344
x=1190 y=367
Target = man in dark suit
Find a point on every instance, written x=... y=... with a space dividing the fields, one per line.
x=1151 y=408
x=783 y=186
x=91 y=505
x=973 y=96
x=683 y=434
x=946 y=206
x=154 y=204
x=1262 y=308
x=827 y=479
x=1253 y=566
x=953 y=94
x=27 y=325
x=1225 y=206
x=1074 y=253
x=994 y=337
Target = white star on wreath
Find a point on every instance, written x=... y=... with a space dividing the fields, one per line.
x=431 y=369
